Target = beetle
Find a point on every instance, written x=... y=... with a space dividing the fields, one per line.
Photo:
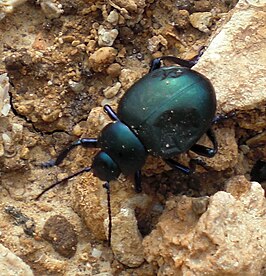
x=164 y=113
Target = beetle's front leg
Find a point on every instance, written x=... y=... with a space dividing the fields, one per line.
x=84 y=142
x=107 y=108
x=156 y=63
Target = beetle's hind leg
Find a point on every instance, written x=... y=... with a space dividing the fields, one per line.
x=138 y=187
x=177 y=166
x=206 y=151
x=199 y=149
x=184 y=169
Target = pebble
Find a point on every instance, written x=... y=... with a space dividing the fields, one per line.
x=11 y=264
x=113 y=17
x=106 y=37
x=51 y=9
x=114 y=70
x=102 y=58
x=201 y=21
x=112 y=91
x=4 y=96
x=61 y=234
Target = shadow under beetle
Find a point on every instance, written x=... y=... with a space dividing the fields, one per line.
x=164 y=114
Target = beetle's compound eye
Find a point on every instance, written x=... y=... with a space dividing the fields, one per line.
x=104 y=167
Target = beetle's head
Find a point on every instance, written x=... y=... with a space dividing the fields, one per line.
x=104 y=167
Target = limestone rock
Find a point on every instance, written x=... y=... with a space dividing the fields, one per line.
x=236 y=56
x=126 y=239
x=226 y=240
x=12 y=265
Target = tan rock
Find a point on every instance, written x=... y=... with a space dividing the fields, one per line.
x=235 y=62
x=102 y=58
x=226 y=240
x=12 y=265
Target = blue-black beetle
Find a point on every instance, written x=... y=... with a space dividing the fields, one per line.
x=164 y=113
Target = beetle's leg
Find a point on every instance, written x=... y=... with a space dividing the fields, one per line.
x=107 y=187
x=87 y=169
x=107 y=108
x=138 y=187
x=221 y=117
x=84 y=142
x=206 y=151
x=177 y=166
x=186 y=170
x=156 y=63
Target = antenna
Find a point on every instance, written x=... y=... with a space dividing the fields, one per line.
x=87 y=169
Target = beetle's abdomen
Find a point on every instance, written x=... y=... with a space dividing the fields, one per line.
x=169 y=109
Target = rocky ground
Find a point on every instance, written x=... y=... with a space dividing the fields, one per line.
x=61 y=61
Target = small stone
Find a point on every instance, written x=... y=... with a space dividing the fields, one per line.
x=75 y=43
x=96 y=253
x=155 y=42
x=91 y=44
x=52 y=116
x=126 y=240
x=4 y=96
x=128 y=77
x=102 y=58
x=68 y=38
x=51 y=9
x=129 y=5
x=201 y=21
x=106 y=37
x=114 y=70
x=113 y=17
x=17 y=128
x=200 y=204
x=2 y=150
x=12 y=265
x=76 y=87
x=77 y=131
x=24 y=153
x=6 y=139
x=110 y=92
x=61 y=234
